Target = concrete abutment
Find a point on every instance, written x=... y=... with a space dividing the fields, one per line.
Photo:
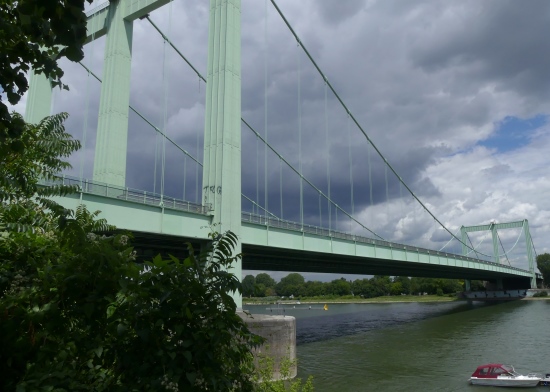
x=280 y=345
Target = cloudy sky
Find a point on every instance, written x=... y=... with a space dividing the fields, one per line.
x=455 y=94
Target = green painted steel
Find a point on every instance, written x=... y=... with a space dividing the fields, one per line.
x=114 y=19
x=278 y=245
x=271 y=244
x=97 y=20
x=530 y=256
x=112 y=127
x=280 y=248
x=96 y=25
x=222 y=132
x=39 y=100
x=493 y=227
x=494 y=236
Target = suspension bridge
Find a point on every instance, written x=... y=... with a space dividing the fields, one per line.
x=318 y=231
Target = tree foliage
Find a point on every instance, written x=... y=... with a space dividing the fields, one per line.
x=543 y=264
x=36 y=33
x=265 y=279
x=249 y=284
x=294 y=284
x=76 y=311
x=290 y=284
x=37 y=154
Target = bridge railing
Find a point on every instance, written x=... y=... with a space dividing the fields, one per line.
x=130 y=194
x=310 y=229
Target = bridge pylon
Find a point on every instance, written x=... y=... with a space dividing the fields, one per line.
x=221 y=178
x=114 y=20
x=493 y=227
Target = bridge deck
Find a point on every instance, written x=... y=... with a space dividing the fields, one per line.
x=274 y=244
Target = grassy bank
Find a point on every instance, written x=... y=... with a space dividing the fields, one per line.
x=350 y=300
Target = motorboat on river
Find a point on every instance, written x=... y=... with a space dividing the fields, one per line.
x=499 y=375
x=545 y=381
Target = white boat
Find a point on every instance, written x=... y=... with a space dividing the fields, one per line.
x=499 y=375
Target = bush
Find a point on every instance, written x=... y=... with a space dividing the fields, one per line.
x=265 y=365
x=81 y=315
x=76 y=311
x=540 y=294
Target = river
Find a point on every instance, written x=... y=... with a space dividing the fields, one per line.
x=416 y=346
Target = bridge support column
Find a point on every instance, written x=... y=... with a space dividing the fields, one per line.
x=500 y=285
x=530 y=256
x=464 y=238
x=39 y=98
x=221 y=178
x=112 y=127
x=494 y=235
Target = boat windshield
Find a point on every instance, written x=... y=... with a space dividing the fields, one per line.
x=510 y=369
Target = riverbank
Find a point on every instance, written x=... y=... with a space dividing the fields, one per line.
x=355 y=300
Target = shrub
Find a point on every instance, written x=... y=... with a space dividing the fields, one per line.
x=540 y=294
x=264 y=374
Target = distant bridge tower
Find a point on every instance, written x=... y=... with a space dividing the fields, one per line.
x=493 y=227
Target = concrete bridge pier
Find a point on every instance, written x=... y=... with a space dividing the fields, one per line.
x=280 y=334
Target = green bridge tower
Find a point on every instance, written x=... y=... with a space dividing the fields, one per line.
x=222 y=132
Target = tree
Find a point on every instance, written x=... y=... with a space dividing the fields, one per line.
x=265 y=279
x=340 y=287
x=76 y=311
x=248 y=285
x=315 y=289
x=36 y=33
x=405 y=284
x=396 y=288
x=290 y=284
x=381 y=285
x=543 y=264
x=36 y=154
x=477 y=285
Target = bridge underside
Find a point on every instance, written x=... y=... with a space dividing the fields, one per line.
x=164 y=225
x=257 y=257
x=278 y=259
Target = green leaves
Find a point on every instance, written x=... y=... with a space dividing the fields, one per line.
x=105 y=323
x=543 y=264
x=76 y=312
x=36 y=33
x=36 y=153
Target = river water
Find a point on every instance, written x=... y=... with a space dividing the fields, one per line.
x=416 y=346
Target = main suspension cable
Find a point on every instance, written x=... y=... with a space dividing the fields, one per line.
x=299 y=172
x=356 y=121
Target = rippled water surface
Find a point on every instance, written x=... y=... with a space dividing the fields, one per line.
x=417 y=346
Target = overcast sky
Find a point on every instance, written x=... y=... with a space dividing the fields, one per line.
x=455 y=94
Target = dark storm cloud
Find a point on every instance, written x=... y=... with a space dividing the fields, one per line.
x=425 y=79
x=491 y=40
x=335 y=11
